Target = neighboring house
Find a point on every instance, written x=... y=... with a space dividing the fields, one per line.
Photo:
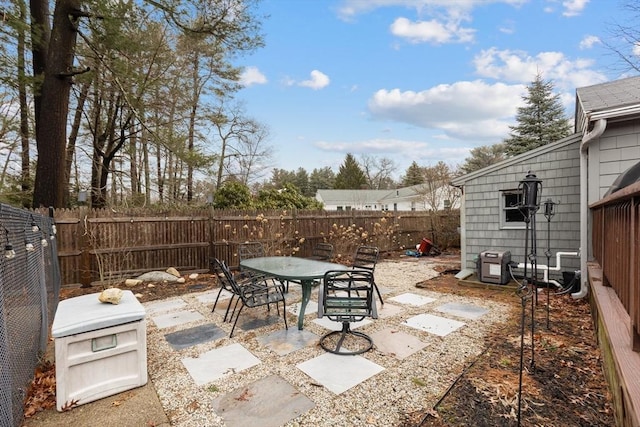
x=414 y=198
x=575 y=172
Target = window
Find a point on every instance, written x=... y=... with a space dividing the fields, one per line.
x=511 y=216
x=413 y=206
x=339 y=208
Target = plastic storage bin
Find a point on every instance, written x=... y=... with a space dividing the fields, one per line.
x=100 y=349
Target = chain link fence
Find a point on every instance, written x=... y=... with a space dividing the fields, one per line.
x=29 y=290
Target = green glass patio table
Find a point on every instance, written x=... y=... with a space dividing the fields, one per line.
x=298 y=270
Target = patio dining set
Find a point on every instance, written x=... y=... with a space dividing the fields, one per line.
x=345 y=293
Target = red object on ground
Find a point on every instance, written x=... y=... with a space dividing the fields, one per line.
x=425 y=246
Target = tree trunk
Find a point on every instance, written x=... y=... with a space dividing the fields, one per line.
x=25 y=178
x=51 y=122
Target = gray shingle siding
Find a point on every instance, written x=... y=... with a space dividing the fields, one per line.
x=559 y=170
x=617 y=150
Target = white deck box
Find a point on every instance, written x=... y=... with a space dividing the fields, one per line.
x=100 y=349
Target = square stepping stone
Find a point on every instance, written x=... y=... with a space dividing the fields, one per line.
x=176 y=318
x=217 y=363
x=440 y=326
x=396 y=343
x=467 y=311
x=268 y=402
x=339 y=373
x=155 y=307
x=209 y=297
x=250 y=320
x=286 y=341
x=412 y=299
x=312 y=307
x=388 y=310
x=193 y=336
x=327 y=323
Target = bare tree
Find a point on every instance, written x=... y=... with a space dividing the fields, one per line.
x=624 y=38
x=378 y=171
x=243 y=151
x=436 y=191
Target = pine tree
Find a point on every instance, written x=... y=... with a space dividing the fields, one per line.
x=350 y=176
x=413 y=176
x=481 y=157
x=540 y=121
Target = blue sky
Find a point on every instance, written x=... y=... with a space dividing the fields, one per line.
x=414 y=80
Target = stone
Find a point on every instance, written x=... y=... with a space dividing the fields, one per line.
x=181 y=280
x=111 y=296
x=193 y=276
x=173 y=271
x=157 y=276
x=132 y=282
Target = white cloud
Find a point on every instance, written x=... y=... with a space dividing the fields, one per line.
x=252 y=76
x=588 y=42
x=574 y=7
x=464 y=110
x=317 y=81
x=518 y=66
x=431 y=31
x=350 y=8
x=636 y=49
x=399 y=149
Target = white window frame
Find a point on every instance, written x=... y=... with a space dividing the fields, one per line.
x=506 y=197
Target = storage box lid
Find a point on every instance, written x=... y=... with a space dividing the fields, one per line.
x=86 y=313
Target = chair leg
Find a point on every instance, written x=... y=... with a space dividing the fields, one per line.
x=378 y=292
x=216 y=301
x=346 y=330
x=284 y=314
x=226 y=313
x=236 y=321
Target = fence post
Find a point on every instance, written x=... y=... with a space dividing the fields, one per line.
x=85 y=247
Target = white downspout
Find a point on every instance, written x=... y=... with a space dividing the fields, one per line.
x=598 y=129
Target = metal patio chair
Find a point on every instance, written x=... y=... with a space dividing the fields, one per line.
x=347 y=297
x=322 y=252
x=249 y=250
x=366 y=257
x=252 y=291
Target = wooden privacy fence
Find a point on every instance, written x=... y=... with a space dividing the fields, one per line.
x=616 y=247
x=98 y=245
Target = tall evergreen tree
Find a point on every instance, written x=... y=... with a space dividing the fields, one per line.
x=540 y=121
x=481 y=157
x=413 y=176
x=321 y=179
x=350 y=176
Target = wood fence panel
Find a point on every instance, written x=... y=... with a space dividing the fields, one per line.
x=102 y=245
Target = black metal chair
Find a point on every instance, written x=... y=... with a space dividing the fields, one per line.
x=347 y=297
x=249 y=250
x=322 y=252
x=217 y=267
x=253 y=291
x=366 y=258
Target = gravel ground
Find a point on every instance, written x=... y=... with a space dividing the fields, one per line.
x=405 y=386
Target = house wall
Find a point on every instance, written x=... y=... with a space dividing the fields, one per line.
x=617 y=150
x=559 y=170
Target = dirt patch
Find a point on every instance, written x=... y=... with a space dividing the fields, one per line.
x=562 y=379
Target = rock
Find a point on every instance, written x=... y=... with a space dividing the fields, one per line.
x=111 y=296
x=132 y=282
x=138 y=295
x=151 y=285
x=193 y=276
x=157 y=276
x=173 y=271
x=181 y=280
